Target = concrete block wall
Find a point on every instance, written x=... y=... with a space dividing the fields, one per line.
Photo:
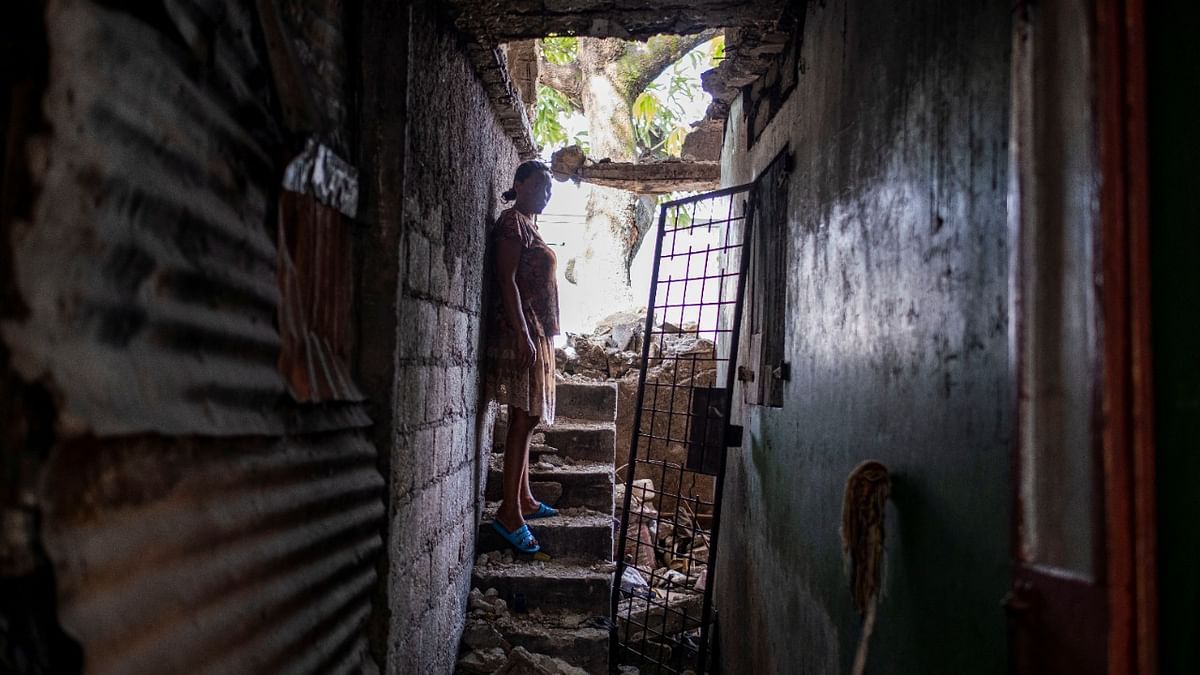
x=438 y=160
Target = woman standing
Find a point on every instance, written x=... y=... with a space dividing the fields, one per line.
x=523 y=322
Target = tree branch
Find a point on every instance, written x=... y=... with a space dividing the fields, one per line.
x=645 y=61
x=566 y=78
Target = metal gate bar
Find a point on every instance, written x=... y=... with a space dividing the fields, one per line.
x=681 y=430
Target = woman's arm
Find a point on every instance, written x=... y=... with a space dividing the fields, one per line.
x=508 y=256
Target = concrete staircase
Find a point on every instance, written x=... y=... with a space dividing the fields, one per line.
x=566 y=599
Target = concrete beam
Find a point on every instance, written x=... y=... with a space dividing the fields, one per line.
x=626 y=19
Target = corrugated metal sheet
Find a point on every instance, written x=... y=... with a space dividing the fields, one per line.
x=149 y=269
x=186 y=531
x=316 y=273
x=215 y=556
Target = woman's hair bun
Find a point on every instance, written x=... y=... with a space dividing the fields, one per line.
x=509 y=194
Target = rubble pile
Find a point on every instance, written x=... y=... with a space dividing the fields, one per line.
x=677 y=356
x=484 y=650
x=669 y=548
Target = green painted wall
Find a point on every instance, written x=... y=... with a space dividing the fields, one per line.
x=897 y=336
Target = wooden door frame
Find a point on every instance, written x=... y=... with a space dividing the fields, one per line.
x=1125 y=559
x=1127 y=406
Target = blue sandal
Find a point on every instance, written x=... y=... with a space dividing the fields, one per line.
x=543 y=511
x=521 y=539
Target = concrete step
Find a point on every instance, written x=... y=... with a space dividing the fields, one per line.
x=578 y=586
x=582 y=440
x=586 y=484
x=593 y=401
x=576 y=533
x=574 y=638
x=536 y=449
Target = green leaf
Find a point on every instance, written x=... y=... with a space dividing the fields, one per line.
x=560 y=50
x=552 y=106
x=674 y=142
x=645 y=107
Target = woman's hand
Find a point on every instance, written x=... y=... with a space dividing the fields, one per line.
x=526 y=350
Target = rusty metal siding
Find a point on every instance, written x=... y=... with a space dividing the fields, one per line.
x=222 y=556
x=196 y=518
x=316 y=275
x=149 y=269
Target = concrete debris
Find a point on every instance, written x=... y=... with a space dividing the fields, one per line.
x=566 y=163
x=633 y=583
x=522 y=662
x=482 y=662
x=504 y=557
x=481 y=635
x=553 y=460
x=484 y=649
x=488 y=604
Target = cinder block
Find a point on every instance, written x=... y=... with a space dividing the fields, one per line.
x=418 y=262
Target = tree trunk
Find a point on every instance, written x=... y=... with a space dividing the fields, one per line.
x=611 y=74
x=604 y=268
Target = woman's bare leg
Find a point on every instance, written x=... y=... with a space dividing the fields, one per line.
x=516 y=467
x=528 y=503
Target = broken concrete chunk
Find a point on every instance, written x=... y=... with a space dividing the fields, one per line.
x=482 y=662
x=521 y=662
x=481 y=635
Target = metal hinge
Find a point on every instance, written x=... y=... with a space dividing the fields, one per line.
x=782 y=372
x=745 y=374
x=733 y=436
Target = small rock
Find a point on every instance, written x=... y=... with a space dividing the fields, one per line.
x=477 y=601
x=482 y=662
x=482 y=560
x=481 y=635
x=521 y=662
x=491 y=593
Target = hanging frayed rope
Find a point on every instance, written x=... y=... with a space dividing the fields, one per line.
x=867 y=491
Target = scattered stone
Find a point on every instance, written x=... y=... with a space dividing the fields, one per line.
x=491 y=593
x=487 y=604
x=521 y=662
x=482 y=662
x=481 y=635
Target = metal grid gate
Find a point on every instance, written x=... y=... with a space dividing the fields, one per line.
x=672 y=483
